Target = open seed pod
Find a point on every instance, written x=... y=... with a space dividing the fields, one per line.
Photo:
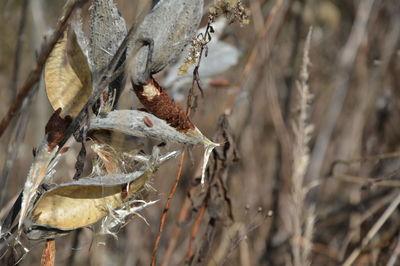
x=67 y=76
x=142 y=124
x=83 y=202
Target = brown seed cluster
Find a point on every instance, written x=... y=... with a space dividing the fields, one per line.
x=162 y=106
x=56 y=128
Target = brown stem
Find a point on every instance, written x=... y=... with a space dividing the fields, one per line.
x=49 y=253
x=166 y=208
x=183 y=214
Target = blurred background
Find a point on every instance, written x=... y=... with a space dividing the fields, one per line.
x=271 y=201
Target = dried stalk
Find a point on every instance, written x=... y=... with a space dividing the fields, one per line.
x=346 y=61
x=301 y=215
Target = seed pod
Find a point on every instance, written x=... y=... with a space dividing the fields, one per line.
x=132 y=122
x=67 y=76
x=85 y=201
x=46 y=158
x=107 y=30
x=170 y=26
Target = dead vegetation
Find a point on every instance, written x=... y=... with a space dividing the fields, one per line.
x=271 y=139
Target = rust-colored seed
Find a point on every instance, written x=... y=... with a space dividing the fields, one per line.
x=163 y=107
x=147 y=121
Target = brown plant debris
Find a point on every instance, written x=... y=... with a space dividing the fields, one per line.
x=157 y=101
x=55 y=128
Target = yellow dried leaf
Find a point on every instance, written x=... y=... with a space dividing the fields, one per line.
x=67 y=76
x=183 y=69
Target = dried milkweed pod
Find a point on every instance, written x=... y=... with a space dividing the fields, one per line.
x=67 y=76
x=157 y=101
x=85 y=201
x=161 y=37
x=132 y=122
x=107 y=31
x=46 y=158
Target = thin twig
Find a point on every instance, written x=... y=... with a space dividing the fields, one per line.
x=166 y=208
x=196 y=78
x=394 y=257
x=34 y=75
x=16 y=138
x=74 y=247
x=363 y=159
x=193 y=233
x=18 y=49
x=372 y=232
x=183 y=214
x=18 y=127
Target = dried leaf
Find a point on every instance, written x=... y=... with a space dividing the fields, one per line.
x=67 y=76
x=80 y=162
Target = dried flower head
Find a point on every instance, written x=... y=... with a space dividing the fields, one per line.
x=194 y=53
x=233 y=10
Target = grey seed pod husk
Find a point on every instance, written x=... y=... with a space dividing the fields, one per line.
x=132 y=122
x=171 y=25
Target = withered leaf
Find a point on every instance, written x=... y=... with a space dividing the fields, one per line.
x=67 y=76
